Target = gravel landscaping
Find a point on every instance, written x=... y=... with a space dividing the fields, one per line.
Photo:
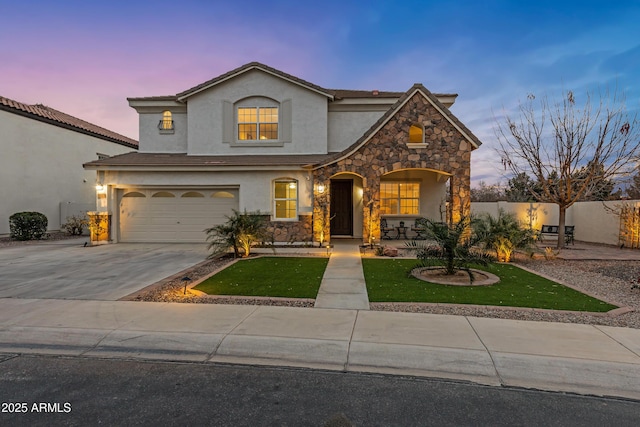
x=608 y=280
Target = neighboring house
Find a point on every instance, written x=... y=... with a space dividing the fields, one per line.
x=42 y=152
x=318 y=162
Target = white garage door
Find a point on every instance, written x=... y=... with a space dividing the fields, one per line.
x=173 y=215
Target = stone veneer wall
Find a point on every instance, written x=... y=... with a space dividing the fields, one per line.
x=291 y=231
x=445 y=150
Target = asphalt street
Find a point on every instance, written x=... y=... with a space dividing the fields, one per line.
x=89 y=391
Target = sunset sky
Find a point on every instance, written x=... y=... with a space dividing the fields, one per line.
x=85 y=58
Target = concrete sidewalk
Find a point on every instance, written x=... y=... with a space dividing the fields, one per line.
x=343 y=284
x=551 y=356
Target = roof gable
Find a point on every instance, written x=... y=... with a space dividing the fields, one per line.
x=431 y=98
x=246 y=68
x=58 y=118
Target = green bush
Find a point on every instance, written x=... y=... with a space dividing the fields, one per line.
x=28 y=225
x=240 y=232
x=503 y=234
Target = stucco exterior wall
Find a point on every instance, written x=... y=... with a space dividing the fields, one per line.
x=41 y=166
x=152 y=140
x=595 y=222
x=206 y=117
x=346 y=127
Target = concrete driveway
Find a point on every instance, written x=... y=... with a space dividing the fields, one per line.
x=68 y=270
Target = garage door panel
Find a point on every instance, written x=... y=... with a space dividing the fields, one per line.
x=173 y=219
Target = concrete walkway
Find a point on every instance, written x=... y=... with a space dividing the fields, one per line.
x=551 y=356
x=343 y=284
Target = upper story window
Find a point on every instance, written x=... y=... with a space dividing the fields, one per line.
x=416 y=134
x=285 y=199
x=166 y=123
x=399 y=198
x=257 y=123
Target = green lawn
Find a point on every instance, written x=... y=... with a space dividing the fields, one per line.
x=388 y=280
x=288 y=277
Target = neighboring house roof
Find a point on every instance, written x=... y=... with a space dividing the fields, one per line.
x=54 y=117
x=469 y=136
x=136 y=159
x=248 y=67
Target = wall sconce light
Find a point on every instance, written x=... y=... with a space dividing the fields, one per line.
x=101 y=189
x=321 y=188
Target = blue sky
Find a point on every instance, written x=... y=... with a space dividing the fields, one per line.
x=85 y=58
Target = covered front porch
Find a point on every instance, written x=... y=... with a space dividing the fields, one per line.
x=351 y=206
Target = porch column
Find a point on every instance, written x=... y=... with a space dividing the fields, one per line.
x=371 y=207
x=321 y=209
x=460 y=196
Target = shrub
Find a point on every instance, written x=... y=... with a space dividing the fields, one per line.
x=453 y=245
x=503 y=234
x=240 y=232
x=28 y=225
x=75 y=224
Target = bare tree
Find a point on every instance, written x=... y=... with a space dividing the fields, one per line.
x=553 y=141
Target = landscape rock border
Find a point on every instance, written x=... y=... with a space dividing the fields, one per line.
x=489 y=279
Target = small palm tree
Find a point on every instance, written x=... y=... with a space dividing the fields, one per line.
x=240 y=232
x=503 y=234
x=455 y=245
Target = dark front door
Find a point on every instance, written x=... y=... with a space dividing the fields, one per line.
x=341 y=207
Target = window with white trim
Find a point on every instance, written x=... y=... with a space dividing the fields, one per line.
x=285 y=199
x=257 y=123
x=399 y=198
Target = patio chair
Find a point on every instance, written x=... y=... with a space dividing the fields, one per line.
x=419 y=230
x=385 y=229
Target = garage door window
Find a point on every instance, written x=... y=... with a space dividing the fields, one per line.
x=286 y=199
x=192 y=194
x=163 y=194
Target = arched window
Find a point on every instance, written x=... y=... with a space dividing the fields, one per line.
x=167 y=121
x=416 y=134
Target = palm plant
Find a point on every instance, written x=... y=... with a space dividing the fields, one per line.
x=503 y=234
x=240 y=232
x=454 y=245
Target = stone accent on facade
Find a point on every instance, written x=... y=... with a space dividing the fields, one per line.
x=291 y=231
x=446 y=150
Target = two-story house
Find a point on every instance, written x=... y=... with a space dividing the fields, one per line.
x=319 y=162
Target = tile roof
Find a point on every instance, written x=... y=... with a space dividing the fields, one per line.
x=183 y=160
x=331 y=93
x=58 y=118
